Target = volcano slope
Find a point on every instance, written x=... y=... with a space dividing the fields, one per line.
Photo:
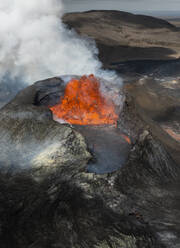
x=58 y=203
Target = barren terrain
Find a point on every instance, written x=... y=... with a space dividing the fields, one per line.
x=122 y=36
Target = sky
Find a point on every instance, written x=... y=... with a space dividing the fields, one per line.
x=125 y=5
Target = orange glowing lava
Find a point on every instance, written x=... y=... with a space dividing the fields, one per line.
x=126 y=138
x=83 y=104
x=174 y=135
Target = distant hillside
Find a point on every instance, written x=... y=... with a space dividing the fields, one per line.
x=124 y=17
x=125 y=36
x=174 y=21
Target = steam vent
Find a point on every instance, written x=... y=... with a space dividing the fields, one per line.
x=85 y=149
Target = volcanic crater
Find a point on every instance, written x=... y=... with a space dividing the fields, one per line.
x=115 y=164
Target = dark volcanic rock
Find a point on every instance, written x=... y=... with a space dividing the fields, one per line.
x=67 y=212
x=153 y=68
x=151 y=180
x=158 y=103
x=29 y=136
x=109 y=148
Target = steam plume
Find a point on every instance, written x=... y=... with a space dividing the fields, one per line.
x=35 y=44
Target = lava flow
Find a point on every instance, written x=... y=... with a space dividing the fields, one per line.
x=83 y=104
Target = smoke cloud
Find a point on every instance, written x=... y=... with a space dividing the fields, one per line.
x=35 y=44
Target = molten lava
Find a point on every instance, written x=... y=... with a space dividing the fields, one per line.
x=127 y=139
x=83 y=104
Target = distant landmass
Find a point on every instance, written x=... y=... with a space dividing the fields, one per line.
x=81 y=6
x=158 y=13
x=122 y=36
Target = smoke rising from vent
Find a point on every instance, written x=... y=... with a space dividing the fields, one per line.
x=35 y=44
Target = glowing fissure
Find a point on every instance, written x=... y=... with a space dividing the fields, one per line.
x=83 y=104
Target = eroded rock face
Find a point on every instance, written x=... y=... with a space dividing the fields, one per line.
x=29 y=136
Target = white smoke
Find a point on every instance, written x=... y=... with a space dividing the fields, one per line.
x=35 y=44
